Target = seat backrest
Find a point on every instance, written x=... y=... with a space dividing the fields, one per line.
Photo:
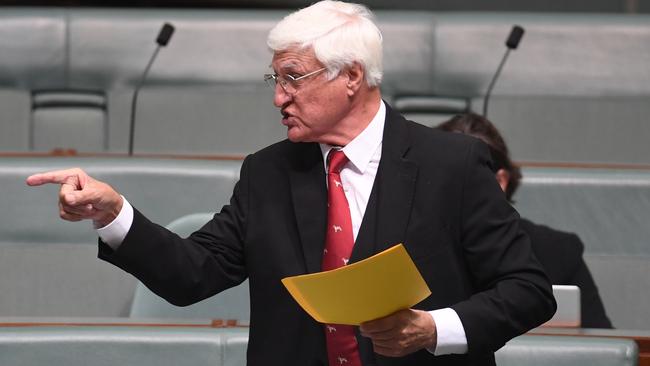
x=104 y=346
x=556 y=99
x=162 y=189
x=534 y=350
x=69 y=120
x=232 y=304
x=49 y=267
x=575 y=81
x=624 y=288
x=608 y=210
x=32 y=41
x=205 y=88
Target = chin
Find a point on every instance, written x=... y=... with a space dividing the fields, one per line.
x=296 y=136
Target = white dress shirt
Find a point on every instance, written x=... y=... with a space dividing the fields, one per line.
x=357 y=176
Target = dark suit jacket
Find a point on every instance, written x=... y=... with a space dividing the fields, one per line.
x=560 y=254
x=434 y=192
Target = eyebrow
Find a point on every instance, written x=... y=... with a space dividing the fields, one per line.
x=288 y=66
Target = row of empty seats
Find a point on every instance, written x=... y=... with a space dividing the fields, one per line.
x=162 y=346
x=48 y=267
x=66 y=80
x=577 y=89
x=111 y=345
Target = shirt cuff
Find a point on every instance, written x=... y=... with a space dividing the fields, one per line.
x=114 y=233
x=450 y=331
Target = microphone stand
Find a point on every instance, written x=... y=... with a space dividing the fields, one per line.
x=511 y=43
x=135 y=98
x=494 y=79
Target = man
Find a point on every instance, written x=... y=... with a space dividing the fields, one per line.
x=392 y=181
x=559 y=253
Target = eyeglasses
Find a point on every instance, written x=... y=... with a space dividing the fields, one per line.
x=289 y=83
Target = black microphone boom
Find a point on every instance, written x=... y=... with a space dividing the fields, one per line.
x=512 y=43
x=162 y=40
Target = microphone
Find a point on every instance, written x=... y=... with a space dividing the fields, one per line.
x=515 y=37
x=162 y=40
x=166 y=34
x=512 y=43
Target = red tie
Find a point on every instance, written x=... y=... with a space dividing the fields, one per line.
x=342 y=349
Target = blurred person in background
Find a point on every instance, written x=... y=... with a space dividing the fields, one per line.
x=559 y=252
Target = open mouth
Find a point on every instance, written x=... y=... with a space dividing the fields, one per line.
x=285 y=117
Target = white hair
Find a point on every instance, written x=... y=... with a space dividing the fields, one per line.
x=339 y=33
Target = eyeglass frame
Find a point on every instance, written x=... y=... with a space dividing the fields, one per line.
x=288 y=80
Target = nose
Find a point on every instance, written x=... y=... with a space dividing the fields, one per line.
x=281 y=97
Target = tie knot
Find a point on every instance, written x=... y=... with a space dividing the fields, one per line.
x=336 y=159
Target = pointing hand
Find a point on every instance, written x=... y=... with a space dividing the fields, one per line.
x=81 y=197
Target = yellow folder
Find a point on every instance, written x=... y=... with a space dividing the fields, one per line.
x=370 y=289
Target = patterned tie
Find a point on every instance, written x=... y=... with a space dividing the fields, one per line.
x=342 y=346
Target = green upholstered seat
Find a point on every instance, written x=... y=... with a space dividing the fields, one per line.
x=69 y=120
x=126 y=346
x=49 y=267
x=144 y=346
x=560 y=92
x=232 y=304
x=533 y=350
x=608 y=210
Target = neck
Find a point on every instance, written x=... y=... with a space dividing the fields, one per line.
x=363 y=108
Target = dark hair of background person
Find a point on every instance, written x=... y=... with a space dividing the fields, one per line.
x=480 y=127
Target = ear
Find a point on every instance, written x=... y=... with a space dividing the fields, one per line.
x=503 y=176
x=355 y=75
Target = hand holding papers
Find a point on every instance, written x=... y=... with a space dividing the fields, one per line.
x=372 y=288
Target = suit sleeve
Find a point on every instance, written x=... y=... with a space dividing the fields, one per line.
x=512 y=293
x=185 y=271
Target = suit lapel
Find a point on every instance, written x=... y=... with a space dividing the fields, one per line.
x=390 y=204
x=309 y=193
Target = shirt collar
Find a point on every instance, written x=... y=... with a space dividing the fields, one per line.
x=362 y=148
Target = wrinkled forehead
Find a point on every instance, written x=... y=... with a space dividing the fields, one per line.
x=295 y=58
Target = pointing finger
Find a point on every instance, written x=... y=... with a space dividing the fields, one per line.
x=69 y=176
